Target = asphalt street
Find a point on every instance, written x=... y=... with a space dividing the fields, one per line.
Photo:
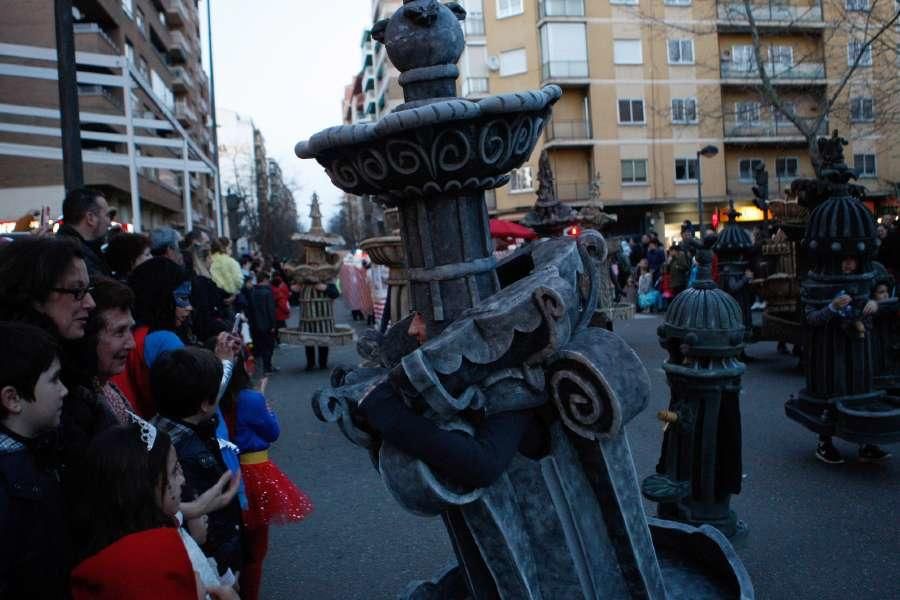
x=816 y=531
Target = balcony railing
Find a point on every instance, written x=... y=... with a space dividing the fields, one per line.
x=100 y=42
x=182 y=80
x=179 y=48
x=177 y=14
x=185 y=114
x=563 y=129
x=735 y=13
x=573 y=191
x=474 y=23
x=806 y=71
x=564 y=69
x=475 y=85
x=98 y=91
x=765 y=128
x=561 y=8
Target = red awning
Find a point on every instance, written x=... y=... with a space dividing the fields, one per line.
x=501 y=228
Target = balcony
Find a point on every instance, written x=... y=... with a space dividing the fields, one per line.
x=177 y=14
x=573 y=191
x=179 y=47
x=766 y=130
x=368 y=79
x=475 y=86
x=185 y=114
x=564 y=69
x=805 y=73
x=561 y=8
x=182 y=80
x=90 y=37
x=733 y=16
x=568 y=130
x=96 y=98
x=474 y=23
x=742 y=187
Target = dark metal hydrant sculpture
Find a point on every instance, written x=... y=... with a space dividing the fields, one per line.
x=840 y=398
x=501 y=340
x=700 y=463
x=733 y=249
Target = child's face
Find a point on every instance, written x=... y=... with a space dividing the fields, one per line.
x=42 y=413
x=170 y=496
x=848 y=265
x=199 y=528
x=881 y=292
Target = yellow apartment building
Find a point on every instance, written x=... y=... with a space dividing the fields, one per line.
x=648 y=83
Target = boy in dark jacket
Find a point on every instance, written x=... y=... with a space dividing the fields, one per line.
x=34 y=552
x=263 y=321
x=185 y=385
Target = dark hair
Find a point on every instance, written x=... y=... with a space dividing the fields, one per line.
x=192 y=236
x=118 y=492
x=220 y=245
x=78 y=203
x=29 y=270
x=240 y=381
x=26 y=351
x=153 y=283
x=108 y=294
x=123 y=249
x=182 y=380
x=263 y=275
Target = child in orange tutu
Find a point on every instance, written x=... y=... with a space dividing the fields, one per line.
x=272 y=497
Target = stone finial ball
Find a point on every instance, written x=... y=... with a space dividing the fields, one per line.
x=423 y=33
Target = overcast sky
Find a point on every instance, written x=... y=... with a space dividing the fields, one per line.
x=284 y=63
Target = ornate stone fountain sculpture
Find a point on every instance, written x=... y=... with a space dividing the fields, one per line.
x=514 y=338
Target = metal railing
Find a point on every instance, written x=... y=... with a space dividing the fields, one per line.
x=183 y=112
x=474 y=23
x=561 y=8
x=774 y=128
x=734 y=12
x=804 y=71
x=564 y=69
x=95 y=29
x=568 y=129
x=181 y=77
x=177 y=13
x=573 y=191
x=179 y=44
x=475 y=85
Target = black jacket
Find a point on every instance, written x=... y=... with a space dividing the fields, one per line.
x=262 y=308
x=84 y=416
x=34 y=544
x=93 y=255
x=210 y=315
x=198 y=452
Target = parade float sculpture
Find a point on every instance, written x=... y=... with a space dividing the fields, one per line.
x=388 y=251
x=733 y=249
x=313 y=270
x=569 y=524
x=549 y=217
x=840 y=398
x=699 y=468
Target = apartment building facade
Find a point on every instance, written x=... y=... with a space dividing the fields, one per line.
x=144 y=103
x=648 y=83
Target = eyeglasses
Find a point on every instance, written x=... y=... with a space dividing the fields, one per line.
x=76 y=293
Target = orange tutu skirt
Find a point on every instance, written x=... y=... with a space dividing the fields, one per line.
x=272 y=497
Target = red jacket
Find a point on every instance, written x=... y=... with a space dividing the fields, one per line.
x=134 y=381
x=147 y=565
x=282 y=302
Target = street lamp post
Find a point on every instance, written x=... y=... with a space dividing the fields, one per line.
x=708 y=152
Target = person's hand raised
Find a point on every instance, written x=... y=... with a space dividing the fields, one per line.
x=227 y=346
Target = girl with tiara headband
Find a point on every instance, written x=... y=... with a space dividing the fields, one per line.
x=272 y=497
x=127 y=516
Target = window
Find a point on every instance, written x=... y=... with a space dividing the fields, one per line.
x=509 y=8
x=627 y=52
x=139 y=20
x=747 y=168
x=681 y=52
x=564 y=50
x=513 y=62
x=858 y=5
x=746 y=112
x=862 y=109
x=685 y=170
x=142 y=67
x=129 y=53
x=786 y=167
x=634 y=171
x=623 y=1
x=781 y=116
x=743 y=58
x=161 y=90
x=128 y=7
x=782 y=56
x=631 y=111
x=864 y=164
x=520 y=180
x=855 y=49
x=677 y=2
x=162 y=17
x=684 y=110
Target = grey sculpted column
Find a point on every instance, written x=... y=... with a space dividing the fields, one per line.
x=733 y=248
x=502 y=339
x=700 y=463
